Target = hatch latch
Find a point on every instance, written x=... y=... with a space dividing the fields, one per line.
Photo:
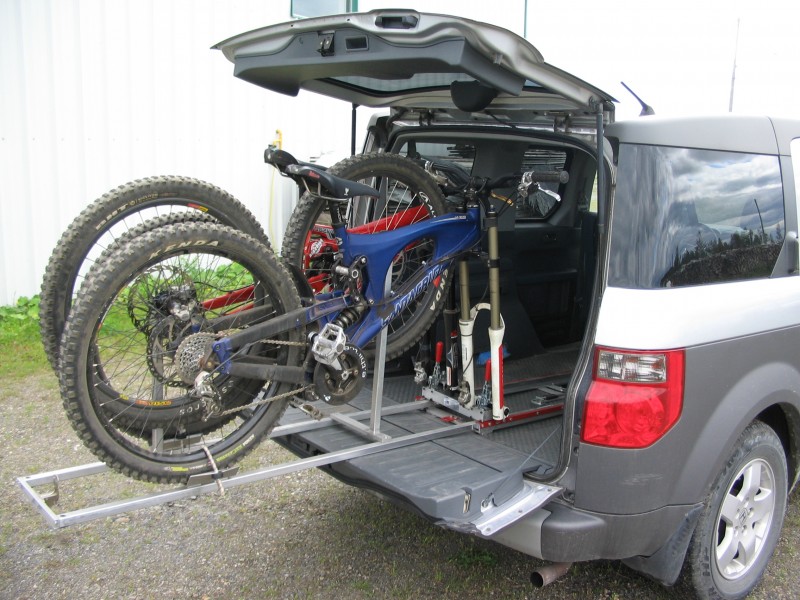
x=325 y=45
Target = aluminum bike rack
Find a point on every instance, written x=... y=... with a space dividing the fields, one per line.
x=218 y=481
x=492 y=518
x=206 y=483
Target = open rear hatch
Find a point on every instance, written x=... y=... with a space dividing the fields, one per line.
x=407 y=59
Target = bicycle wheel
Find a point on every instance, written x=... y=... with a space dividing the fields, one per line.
x=147 y=420
x=408 y=195
x=141 y=330
x=114 y=215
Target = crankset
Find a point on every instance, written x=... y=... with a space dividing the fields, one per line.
x=341 y=367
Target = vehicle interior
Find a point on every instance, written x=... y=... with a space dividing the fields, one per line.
x=547 y=242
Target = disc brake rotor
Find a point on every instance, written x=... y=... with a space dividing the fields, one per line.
x=161 y=344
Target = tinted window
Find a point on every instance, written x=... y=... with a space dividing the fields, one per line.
x=687 y=217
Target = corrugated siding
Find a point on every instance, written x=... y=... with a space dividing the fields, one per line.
x=95 y=93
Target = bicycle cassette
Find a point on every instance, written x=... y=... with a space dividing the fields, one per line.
x=340 y=385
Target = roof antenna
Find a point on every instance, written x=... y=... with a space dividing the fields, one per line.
x=646 y=108
x=733 y=74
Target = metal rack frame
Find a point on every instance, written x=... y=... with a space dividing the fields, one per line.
x=492 y=518
x=207 y=483
x=218 y=481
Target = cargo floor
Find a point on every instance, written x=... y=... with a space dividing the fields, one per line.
x=434 y=476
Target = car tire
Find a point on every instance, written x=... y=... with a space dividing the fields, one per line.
x=741 y=523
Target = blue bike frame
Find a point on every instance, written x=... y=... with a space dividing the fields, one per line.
x=452 y=233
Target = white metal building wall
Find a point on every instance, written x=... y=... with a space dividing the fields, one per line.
x=94 y=94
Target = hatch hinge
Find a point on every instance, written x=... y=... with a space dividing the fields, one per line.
x=325 y=45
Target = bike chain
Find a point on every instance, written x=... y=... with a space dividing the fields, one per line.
x=256 y=403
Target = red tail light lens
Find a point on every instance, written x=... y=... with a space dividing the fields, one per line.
x=634 y=398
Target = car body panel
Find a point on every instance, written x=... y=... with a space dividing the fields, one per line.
x=727 y=384
x=735 y=133
x=645 y=319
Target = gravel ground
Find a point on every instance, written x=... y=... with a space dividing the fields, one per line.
x=300 y=536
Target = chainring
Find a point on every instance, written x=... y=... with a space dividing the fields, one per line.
x=339 y=386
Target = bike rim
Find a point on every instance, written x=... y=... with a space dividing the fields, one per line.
x=138 y=393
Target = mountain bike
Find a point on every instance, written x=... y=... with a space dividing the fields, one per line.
x=120 y=216
x=197 y=322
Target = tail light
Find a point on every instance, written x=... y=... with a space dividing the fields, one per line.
x=634 y=398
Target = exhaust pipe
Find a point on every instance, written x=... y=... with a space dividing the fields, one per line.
x=548 y=573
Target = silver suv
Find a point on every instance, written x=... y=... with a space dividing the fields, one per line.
x=652 y=304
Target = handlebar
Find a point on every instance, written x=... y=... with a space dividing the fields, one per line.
x=454 y=178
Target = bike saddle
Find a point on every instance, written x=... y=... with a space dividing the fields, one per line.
x=337 y=187
x=280 y=159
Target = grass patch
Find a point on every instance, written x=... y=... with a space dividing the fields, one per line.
x=20 y=340
x=363 y=586
x=473 y=557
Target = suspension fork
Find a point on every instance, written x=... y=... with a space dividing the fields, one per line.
x=450 y=342
x=465 y=326
x=496 y=325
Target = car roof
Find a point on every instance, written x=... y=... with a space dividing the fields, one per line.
x=404 y=58
x=735 y=133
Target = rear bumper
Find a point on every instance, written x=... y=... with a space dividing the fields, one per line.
x=560 y=533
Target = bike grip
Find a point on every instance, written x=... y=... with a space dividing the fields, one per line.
x=550 y=176
x=439 y=352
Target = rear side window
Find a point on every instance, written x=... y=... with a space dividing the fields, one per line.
x=689 y=217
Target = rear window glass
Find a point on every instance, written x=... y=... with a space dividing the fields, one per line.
x=688 y=217
x=461 y=156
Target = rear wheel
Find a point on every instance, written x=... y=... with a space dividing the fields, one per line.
x=408 y=195
x=740 y=526
x=141 y=332
x=166 y=199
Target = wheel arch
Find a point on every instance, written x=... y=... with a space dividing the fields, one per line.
x=784 y=419
x=732 y=544
x=767 y=392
